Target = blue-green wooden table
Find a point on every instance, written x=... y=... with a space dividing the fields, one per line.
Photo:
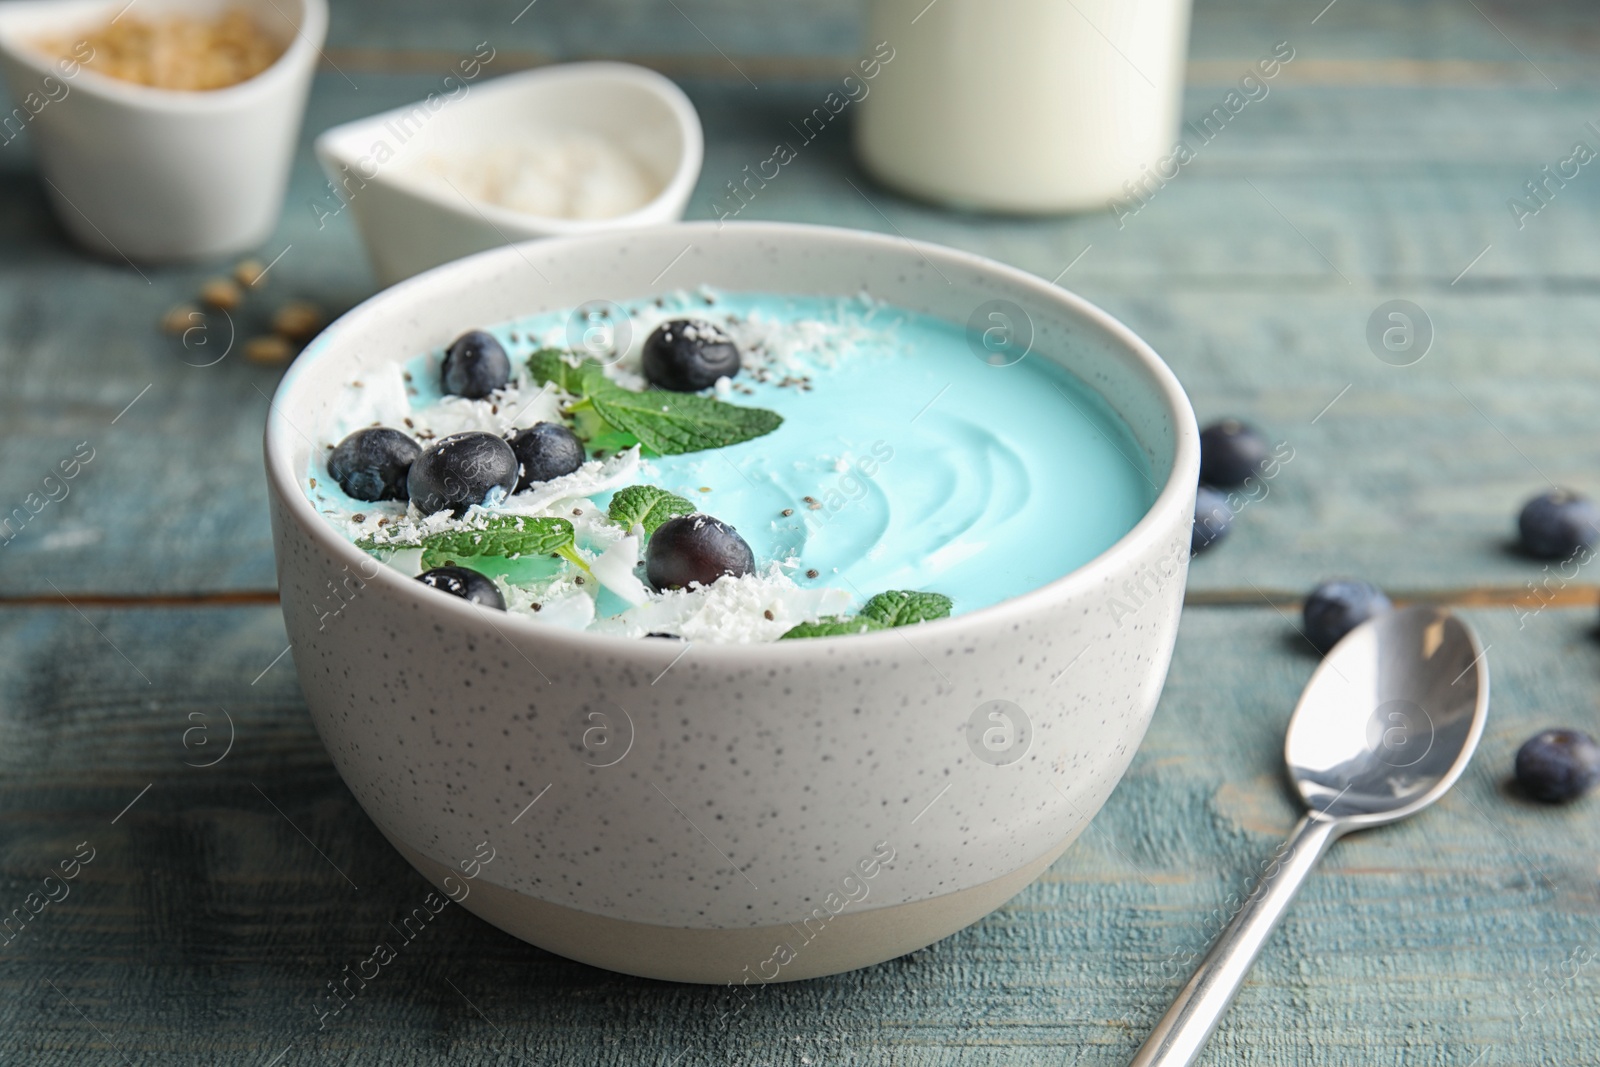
x=220 y=900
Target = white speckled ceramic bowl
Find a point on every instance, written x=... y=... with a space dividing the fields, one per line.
x=728 y=813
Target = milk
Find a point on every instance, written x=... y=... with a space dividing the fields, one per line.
x=1022 y=105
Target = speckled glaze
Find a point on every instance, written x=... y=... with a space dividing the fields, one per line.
x=724 y=788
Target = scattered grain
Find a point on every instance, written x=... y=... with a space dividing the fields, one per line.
x=268 y=349
x=221 y=293
x=298 y=320
x=181 y=318
x=248 y=272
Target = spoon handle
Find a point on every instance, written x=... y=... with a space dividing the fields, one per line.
x=1183 y=1031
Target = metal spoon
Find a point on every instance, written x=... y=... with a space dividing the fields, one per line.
x=1385 y=726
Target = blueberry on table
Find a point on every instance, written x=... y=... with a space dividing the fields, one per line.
x=1558 y=765
x=544 y=451
x=465 y=583
x=695 y=550
x=1230 y=452
x=1213 y=518
x=1558 y=524
x=461 y=470
x=475 y=365
x=372 y=464
x=687 y=355
x=1335 y=608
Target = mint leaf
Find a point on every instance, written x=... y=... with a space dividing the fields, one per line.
x=550 y=365
x=506 y=536
x=666 y=423
x=898 y=607
x=647 y=506
x=902 y=607
x=596 y=432
x=670 y=424
x=372 y=544
x=834 y=626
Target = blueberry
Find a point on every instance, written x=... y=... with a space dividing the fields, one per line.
x=461 y=470
x=465 y=583
x=695 y=549
x=687 y=355
x=372 y=464
x=1230 y=452
x=1213 y=518
x=1558 y=525
x=545 y=450
x=475 y=365
x=1335 y=608
x=1558 y=765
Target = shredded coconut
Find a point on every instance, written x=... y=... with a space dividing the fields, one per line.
x=561 y=174
x=733 y=610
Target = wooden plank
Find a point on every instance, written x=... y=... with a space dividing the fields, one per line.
x=1388 y=71
x=606 y=28
x=831 y=30
x=208 y=922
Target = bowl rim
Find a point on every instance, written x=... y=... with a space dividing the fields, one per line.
x=310 y=31
x=1175 y=494
x=676 y=189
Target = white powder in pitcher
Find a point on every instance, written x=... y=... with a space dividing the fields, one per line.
x=564 y=175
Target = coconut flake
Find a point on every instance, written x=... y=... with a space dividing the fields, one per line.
x=381 y=396
x=561 y=603
x=615 y=569
x=594 y=477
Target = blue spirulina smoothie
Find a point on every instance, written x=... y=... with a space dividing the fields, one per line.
x=903 y=462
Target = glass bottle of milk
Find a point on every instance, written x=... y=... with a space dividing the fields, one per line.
x=1026 y=106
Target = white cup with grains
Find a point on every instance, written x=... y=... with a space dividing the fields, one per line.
x=163 y=131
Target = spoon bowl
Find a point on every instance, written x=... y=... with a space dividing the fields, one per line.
x=1390 y=718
